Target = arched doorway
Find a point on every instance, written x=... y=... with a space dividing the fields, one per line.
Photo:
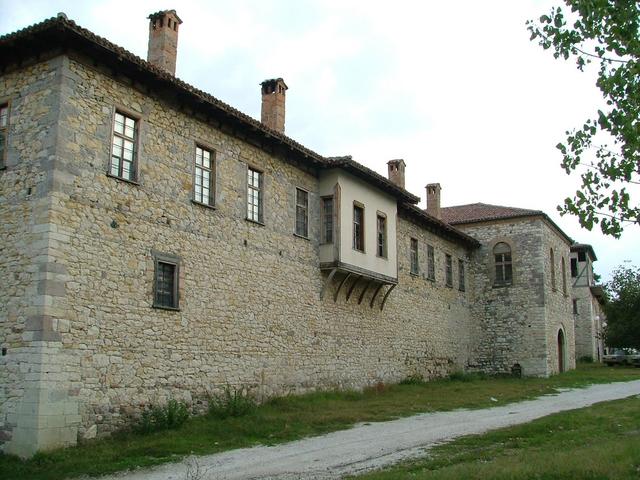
x=560 y=351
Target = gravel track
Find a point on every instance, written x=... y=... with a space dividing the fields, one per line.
x=370 y=446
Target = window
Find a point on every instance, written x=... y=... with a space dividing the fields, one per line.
x=564 y=276
x=4 y=126
x=302 y=213
x=203 y=185
x=582 y=257
x=503 y=267
x=553 y=270
x=431 y=263
x=327 y=220
x=254 y=195
x=575 y=307
x=123 y=149
x=448 y=270
x=574 y=268
x=381 y=235
x=414 y=256
x=358 y=228
x=166 y=282
x=461 y=281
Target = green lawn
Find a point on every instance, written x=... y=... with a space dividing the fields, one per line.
x=598 y=442
x=289 y=418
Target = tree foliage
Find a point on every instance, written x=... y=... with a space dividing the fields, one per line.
x=605 y=33
x=623 y=308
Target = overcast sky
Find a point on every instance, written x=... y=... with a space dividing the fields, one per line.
x=456 y=89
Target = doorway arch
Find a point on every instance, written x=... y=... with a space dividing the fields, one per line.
x=561 y=351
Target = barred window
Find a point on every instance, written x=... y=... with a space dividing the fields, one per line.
x=302 y=213
x=254 y=195
x=381 y=234
x=461 y=279
x=4 y=127
x=165 y=293
x=123 y=148
x=327 y=220
x=203 y=185
x=503 y=267
x=448 y=267
x=431 y=263
x=358 y=228
x=414 y=256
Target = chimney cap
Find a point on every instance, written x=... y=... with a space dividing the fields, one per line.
x=397 y=161
x=269 y=81
x=436 y=185
x=163 y=13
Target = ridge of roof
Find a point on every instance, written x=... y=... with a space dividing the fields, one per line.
x=61 y=23
x=434 y=223
x=348 y=163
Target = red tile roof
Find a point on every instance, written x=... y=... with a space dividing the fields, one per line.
x=480 y=212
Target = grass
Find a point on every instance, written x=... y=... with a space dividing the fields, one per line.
x=599 y=442
x=288 y=418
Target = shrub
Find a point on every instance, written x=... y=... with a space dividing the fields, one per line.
x=170 y=416
x=231 y=403
x=415 y=379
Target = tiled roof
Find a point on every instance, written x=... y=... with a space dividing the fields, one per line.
x=59 y=33
x=435 y=225
x=480 y=212
x=576 y=247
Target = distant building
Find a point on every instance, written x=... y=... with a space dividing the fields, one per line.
x=157 y=243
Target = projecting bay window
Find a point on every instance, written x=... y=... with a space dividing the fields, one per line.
x=431 y=263
x=413 y=256
x=358 y=227
x=448 y=270
x=165 y=287
x=4 y=126
x=302 y=213
x=255 y=195
x=204 y=177
x=124 y=146
x=327 y=219
x=461 y=279
x=381 y=235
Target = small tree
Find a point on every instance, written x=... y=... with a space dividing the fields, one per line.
x=623 y=308
x=605 y=32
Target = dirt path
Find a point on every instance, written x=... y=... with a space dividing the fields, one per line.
x=374 y=445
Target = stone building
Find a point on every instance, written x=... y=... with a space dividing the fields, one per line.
x=157 y=243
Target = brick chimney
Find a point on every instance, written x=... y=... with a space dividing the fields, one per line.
x=396 y=171
x=433 y=200
x=273 y=103
x=163 y=40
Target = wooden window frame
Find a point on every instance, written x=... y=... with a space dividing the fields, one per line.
x=4 y=133
x=135 y=140
x=381 y=246
x=304 y=231
x=502 y=263
x=260 y=195
x=448 y=270
x=211 y=200
x=461 y=276
x=327 y=220
x=358 y=243
x=166 y=259
x=414 y=256
x=431 y=263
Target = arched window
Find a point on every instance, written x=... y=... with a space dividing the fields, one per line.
x=564 y=277
x=553 y=270
x=502 y=256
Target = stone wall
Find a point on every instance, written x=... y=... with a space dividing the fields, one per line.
x=250 y=313
x=512 y=318
x=558 y=308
